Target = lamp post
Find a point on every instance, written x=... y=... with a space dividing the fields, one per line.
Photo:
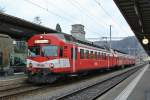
x=110 y=38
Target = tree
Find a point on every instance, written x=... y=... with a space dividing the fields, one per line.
x=58 y=28
x=37 y=20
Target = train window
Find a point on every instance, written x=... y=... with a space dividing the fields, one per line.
x=91 y=54
x=108 y=56
x=87 y=54
x=61 y=52
x=95 y=55
x=81 y=53
x=103 y=55
x=34 y=51
x=98 y=55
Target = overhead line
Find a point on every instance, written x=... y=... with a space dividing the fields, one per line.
x=99 y=4
x=85 y=13
x=51 y=12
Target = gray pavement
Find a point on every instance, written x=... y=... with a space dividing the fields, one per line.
x=142 y=89
x=136 y=87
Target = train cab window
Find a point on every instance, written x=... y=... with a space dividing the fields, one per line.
x=95 y=55
x=81 y=53
x=50 y=50
x=87 y=54
x=61 y=52
x=91 y=54
x=34 y=51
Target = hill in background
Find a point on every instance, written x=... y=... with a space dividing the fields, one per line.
x=128 y=45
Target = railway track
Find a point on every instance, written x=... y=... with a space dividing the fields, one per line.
x=7 y=94
x=94 y=90
x=83 y=92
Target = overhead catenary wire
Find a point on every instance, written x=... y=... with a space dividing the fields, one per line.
x=88 y=15
x=85 y=11
x=73 y=17
x=53 y=13
x=68 y=18
x=100 y=5
x=60 y=9
x=97 y=20
x=47 y=10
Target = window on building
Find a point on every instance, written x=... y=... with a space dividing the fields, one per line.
x=81 y=53
x=20 y=46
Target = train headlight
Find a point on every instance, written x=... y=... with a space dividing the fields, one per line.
x=30 y=65
x=41 y=37
x=51 y=65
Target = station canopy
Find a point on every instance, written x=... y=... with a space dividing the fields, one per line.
x=137 y=14
x=20 y=29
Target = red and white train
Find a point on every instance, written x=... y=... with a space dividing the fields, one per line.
x=55 y=55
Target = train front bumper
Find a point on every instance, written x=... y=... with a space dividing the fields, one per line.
x=42 y=76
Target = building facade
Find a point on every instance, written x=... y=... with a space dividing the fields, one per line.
x=12 y=53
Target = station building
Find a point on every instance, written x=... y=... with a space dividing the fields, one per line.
x=11 y=53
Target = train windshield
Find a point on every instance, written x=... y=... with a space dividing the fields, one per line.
x=49 y=50
x=34 y=51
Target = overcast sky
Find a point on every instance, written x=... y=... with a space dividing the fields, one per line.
x=95 y=15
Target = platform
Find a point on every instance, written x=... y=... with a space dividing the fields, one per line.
x=136 y=87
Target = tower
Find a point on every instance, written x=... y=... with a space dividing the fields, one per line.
x=78 y=31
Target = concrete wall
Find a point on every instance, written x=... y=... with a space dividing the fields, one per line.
x=6 y=47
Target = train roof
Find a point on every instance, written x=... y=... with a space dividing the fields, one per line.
x=119 y=51
x=70 y=38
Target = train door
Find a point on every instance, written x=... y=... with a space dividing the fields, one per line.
x=74 y=60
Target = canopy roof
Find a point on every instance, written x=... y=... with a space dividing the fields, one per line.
x=20 y=29
x=137 y=14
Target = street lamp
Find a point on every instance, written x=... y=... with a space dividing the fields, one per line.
x=145 y=41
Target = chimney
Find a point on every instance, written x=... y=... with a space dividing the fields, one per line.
x=78 y=31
